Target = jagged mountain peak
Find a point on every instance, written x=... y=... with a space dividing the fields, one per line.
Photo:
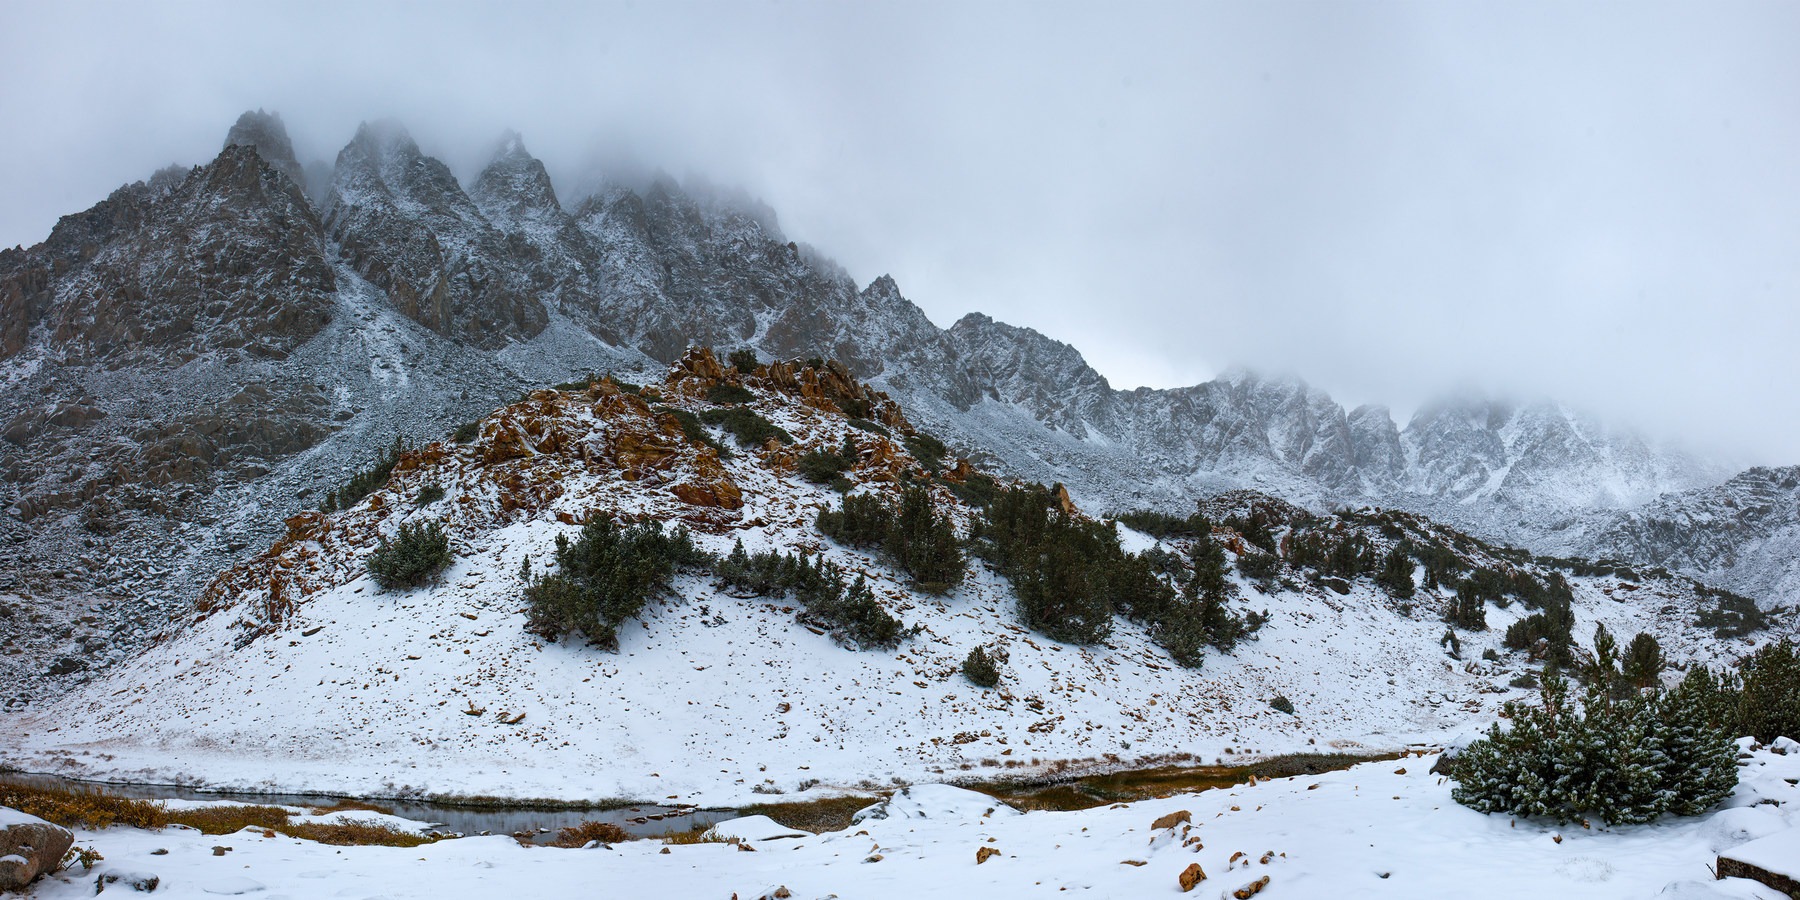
x=510 y=146
x=514 y=188
x=265 y=132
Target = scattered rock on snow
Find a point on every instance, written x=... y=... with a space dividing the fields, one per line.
x=138 y=881
x=1171 y=820
x=982 y=854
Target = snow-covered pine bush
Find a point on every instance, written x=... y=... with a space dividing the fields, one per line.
x=416 y=555
x=605 y=577
x=980 y=669
x=1768 y=704
x=1624 y=760
x=849 y=611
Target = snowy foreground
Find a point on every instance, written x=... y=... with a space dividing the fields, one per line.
x=1384 y=829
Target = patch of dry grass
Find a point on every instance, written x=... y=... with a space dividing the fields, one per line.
x=87 y=807
x=580 y=835
x=700 y=834
x=355 y=834
x=229 y=819
x=817 y=816
x=82 y=807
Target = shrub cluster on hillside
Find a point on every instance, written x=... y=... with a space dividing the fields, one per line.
x=365 y=482
x=829 y=466
x=847 y=609
x=928 y=450
x=914 y=535
x=724 y=393
x=413 y=557
x=605 y=577
x=1071 y=576
x=750 y=430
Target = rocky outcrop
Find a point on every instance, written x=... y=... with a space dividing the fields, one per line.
x=405 y=224
x=29 y=847
x=264 y=132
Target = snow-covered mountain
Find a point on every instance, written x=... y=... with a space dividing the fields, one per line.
x=1743 y=534
x=444 y=690
x=202 y=354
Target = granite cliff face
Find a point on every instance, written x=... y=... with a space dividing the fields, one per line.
x=203 y=353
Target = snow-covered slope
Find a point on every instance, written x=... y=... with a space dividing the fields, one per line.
x=300 y=674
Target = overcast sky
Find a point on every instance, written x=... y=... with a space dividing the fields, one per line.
x=1599 y=202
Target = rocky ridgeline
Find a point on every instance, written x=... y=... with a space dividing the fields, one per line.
x=599 y=448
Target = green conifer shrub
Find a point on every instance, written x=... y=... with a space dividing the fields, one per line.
x=1396 y=575
x=980 y=669
x=694 y=430
x=928 y=450
x=365 y=482
x=744 y=361
x=1643 y=663
x=1768 y=703
x=750 y=430
x=413 y=557
x=605 y=577
x=1625 y=760
x=724 y=394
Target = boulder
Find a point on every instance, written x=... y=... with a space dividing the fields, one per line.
x=1171 y=820
x=1191 y=876
x=982 y=854
x=29 y=847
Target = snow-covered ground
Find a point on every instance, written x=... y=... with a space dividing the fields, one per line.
x=1384 y=829
x=720 y=700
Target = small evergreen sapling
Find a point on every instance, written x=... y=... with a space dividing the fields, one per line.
x=980 y=669
x=414 y=557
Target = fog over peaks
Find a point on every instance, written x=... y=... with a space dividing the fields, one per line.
x=1592 y=202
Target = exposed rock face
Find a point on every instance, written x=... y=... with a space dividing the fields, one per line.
x=404 y=223
x=29 y=847
x=1743 y=534
x=265 y=132
x=229 y=260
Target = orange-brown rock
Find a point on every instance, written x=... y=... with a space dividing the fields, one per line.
x=718 y=494
x=637 y=450
x=1171 y=820
x=698 y=362
x=305 y=526
x=960 y=473
x=505 y=440
x=1251 y=889
x=1191 y=876
x=983 y=854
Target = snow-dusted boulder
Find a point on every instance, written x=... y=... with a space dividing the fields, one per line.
x=938 y=802
x=29 y=847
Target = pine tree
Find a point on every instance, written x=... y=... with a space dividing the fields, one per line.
x=980 y=669
x=1396 y=575
x=1643 y=665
